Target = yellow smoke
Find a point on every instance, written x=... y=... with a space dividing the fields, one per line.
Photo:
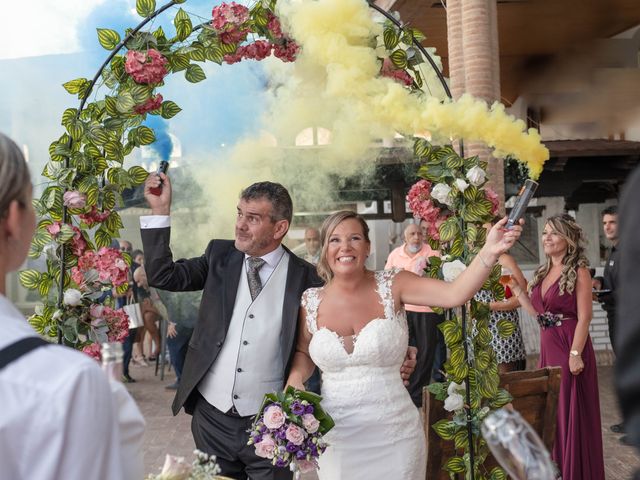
x=334 y=85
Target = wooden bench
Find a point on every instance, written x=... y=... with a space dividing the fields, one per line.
x=535 y=397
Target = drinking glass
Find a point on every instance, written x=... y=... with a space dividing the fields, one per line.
x=516 y=446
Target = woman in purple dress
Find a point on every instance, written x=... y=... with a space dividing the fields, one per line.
x=560 y=297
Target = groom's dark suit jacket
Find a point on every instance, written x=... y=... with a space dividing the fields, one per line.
x=217 y=272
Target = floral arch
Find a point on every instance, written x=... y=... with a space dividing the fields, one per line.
x=87 y=174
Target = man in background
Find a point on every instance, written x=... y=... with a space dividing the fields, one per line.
x=605 y=286
x=312 y=242
x=413 y=255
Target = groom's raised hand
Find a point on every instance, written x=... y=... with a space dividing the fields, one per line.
x=160 y=204
x=409 y=365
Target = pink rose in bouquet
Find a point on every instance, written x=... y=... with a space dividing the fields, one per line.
x=266 y=447
x=295 y=434
x=274 y=417
x=310 y=423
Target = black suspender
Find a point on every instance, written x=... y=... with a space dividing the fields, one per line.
x=20 y=348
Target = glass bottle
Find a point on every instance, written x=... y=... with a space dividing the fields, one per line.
x=112 y=355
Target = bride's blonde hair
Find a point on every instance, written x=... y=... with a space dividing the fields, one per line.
x=328 y=226
x=565 y=226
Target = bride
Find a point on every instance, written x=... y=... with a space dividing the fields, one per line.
x=354 y=328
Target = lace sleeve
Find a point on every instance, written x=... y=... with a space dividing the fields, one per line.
x=310 y=303
x=385 y=281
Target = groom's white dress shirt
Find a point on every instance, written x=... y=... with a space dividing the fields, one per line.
x=57 y=414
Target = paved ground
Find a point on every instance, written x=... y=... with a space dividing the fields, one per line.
x=168 y=434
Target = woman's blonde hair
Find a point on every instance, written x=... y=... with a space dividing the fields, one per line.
x=14 y=175
x=328 y=226
x=565 y=226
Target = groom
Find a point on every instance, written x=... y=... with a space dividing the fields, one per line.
x=244 y=340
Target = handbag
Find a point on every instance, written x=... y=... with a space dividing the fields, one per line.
x=132 y=309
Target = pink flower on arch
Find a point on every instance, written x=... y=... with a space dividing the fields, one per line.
x=74 y=199
x=229 y=22
x=287 y=52
x=94 y=216
x=148 y=67
x=493 y=197
x=93 y=351
x=150 y=104
x=398 y=74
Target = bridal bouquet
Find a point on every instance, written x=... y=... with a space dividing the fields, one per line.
x=289 y=429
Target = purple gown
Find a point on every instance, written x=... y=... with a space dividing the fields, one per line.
x=578 y=446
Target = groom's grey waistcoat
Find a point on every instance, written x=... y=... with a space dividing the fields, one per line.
x=217 y=272
x=249 y=364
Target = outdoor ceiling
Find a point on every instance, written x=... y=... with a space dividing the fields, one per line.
x=531 y=32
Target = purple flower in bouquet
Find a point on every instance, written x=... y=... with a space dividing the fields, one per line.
x=300 y=454
x=281 y=433
x=308 y=409
x=292 y=447
x=297 y=408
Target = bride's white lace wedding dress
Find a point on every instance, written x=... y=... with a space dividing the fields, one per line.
x=378 y=433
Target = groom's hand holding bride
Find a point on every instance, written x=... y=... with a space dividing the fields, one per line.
x=409 y=365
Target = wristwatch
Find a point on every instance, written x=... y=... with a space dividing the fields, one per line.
x=574 y=353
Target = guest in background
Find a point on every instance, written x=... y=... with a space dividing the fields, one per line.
x=312 y=242
x=560 y=298
x=121 y=301
x=413 y=255
x=607 y=283
x=182 y=309
x=605 y=286
x=150 y=314
x=55 y=402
